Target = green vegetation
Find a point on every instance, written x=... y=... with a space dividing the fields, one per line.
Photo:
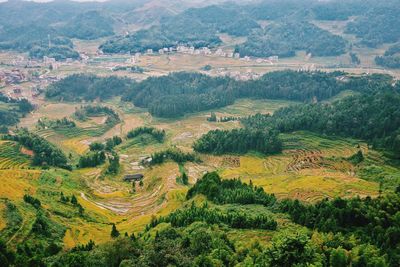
x=45 y=153
x=284 y=38
x=233 y=219
x=87 y=26
x=173 y=154
x=79 y=87
x=92 y=159
x=391 y=58
x=63 y=123
x=159 y=135
x=360 y=217
x=13 y=110
x=180 y=93
x=375 y=27
x=114 y=165
x=33 y=201
x=229 y=191
x=198 y=27
x=239 y=141
x=379 y=128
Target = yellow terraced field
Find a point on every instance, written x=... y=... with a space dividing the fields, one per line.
x=15 y=183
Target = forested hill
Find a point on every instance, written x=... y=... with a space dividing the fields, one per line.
x=372 y=117
x=285 y=38
x=180 y=93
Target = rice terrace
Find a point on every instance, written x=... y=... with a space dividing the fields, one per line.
x=200 y=133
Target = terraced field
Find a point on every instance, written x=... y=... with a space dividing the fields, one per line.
x=310 y=168
x=11 y=156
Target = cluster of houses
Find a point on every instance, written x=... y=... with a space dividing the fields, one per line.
x=237 y=75
x=13 y=76
x=204 y=51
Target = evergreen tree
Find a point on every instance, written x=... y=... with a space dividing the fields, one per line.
x=114 y=231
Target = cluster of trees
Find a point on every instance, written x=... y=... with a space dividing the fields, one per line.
x=229 y=191
x=285 y=37
x=391 y=58
x=87 y=87
x=98 y=154
x=33 y=201
x=239 y=141
x=55 y=124
x=173 y=154
x=213 y=118
x=74 y=201
x=374 y=221
x=114 y=166
x=15 y=109
x=45 y=153
x=234 y=219
x=95 y=111
x=159 y=135
x=92 y=159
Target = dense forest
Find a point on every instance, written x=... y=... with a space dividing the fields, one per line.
x=45 y=153
x=180 y=93
x=285 y=38
x=374 y=221
x=375 y=27
x=87 y=26
x=79 y=87
x=239 y=141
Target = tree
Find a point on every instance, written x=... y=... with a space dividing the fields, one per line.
x=74 y=200
x=185 y=178
x=338 y=258
x=114 y=231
